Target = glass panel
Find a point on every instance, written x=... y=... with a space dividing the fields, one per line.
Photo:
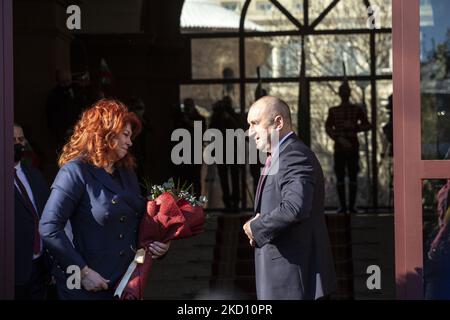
x=277 y=57
x=325 y=54
x=323 y=96
x=436 y=239
x=347 y=14
x=295 y=8
x=351 y=14
x=215 y=58
x=213 y=16
x=206 y=95
x=385 y=143
x=435 y=78
x=286 y=91
x=384 y=12
x=383 y=53
x=99 y=17
x=316 y=7
x=269 y=18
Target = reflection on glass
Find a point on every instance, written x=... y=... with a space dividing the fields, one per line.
x=224 y=16
x=352 y=14
x=385 y=138
x=316 y=8
x=277 y=57
x=286 y=91
x=324 y=95
x=435 y=78
x=325 y=54
x=384 y=12
x=215 y=58
x=209 y=100
x=269 y=18
x=383 y=53
x=119 y=17
x=213 y=16
x=349 y=14
x=436 y=237
x=206 y=96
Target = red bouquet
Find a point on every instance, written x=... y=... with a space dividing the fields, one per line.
x=170 y=215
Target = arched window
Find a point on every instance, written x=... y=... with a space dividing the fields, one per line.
x=300 y=47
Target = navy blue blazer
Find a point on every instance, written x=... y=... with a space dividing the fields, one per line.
x=24 y=223
x=104 y=215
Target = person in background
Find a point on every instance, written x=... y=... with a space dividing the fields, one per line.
x=342 y=125
x=194 y=169
x=97 y=190
x=293 y=258
x=32 y=272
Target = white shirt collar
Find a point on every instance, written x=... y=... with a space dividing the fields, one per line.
x=274 y=150
x=285 y=137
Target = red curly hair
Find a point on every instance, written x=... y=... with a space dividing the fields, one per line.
x=93 y=135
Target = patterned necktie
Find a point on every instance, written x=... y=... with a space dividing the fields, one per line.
x=29 y=204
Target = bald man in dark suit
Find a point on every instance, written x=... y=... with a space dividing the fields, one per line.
x=293 y=257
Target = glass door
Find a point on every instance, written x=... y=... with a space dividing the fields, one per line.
x=421 y=144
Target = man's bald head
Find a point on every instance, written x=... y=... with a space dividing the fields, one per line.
x=272 y=107
x=267 y=116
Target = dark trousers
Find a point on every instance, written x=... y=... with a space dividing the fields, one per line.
x=346 y=163
x=230 y=197
x=36 y=288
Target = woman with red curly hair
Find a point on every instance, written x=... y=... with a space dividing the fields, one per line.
x=96 y=190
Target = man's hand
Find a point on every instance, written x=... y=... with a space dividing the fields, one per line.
x=158 y=249
x=248 y=230
x=92 y=281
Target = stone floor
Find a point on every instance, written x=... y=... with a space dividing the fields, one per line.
x=218 y=264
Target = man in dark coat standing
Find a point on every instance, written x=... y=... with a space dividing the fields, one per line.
x=293 y=257
x=30 y=193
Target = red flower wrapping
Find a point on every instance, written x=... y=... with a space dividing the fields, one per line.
x=166 y=219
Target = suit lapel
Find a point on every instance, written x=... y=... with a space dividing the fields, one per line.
x=19 y=195
x=124 y=177
x=263 y=179
x=104 y=178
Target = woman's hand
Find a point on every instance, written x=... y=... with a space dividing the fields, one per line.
x=158 y=249
x=92 y=281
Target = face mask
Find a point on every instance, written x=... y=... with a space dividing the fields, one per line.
x=18 y=151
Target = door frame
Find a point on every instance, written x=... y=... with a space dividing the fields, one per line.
x=409 y=168
x=6 y=150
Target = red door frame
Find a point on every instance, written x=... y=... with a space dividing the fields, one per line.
x=409 y=168
x=6 y=152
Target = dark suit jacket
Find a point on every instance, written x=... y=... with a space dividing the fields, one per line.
x=293 y=257
x=104 y=216
x=24 y=223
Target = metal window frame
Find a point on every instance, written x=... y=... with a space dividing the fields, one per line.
x=306 y=29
